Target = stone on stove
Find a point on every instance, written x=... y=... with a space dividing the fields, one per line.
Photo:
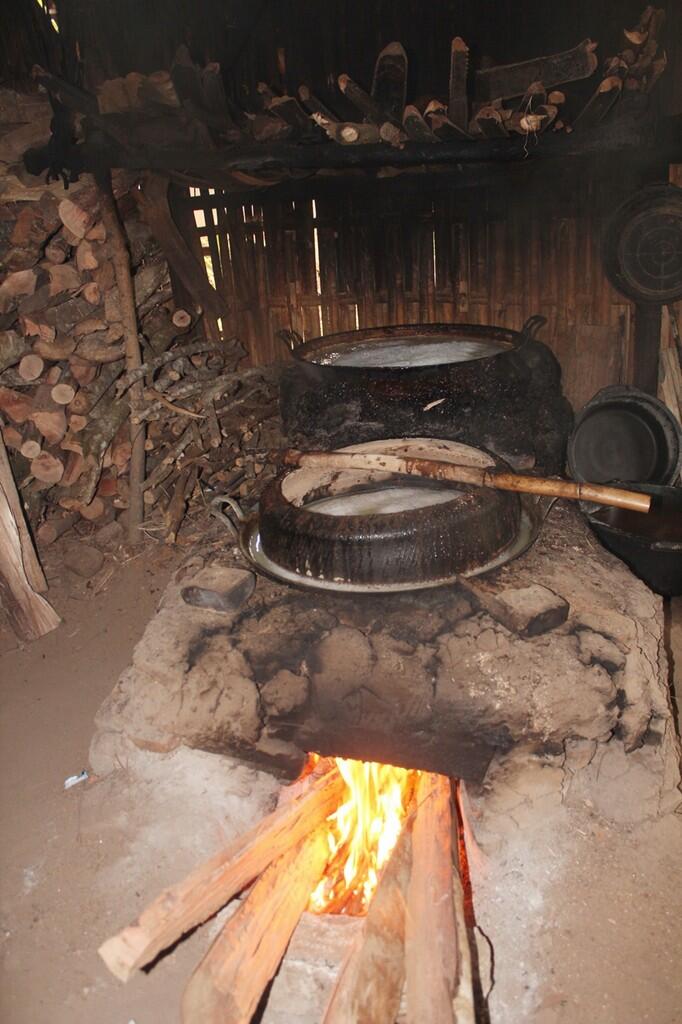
x=527 y=611
x=218 y=589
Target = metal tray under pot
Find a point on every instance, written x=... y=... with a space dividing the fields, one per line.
x=650 y=544
x=372 y=532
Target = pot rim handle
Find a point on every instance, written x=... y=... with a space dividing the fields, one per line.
x=233 y=521
x=532 y=325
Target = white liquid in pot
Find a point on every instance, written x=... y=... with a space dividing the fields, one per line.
x=407 y=352
x=381 y=501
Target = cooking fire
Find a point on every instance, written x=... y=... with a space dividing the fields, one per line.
x=362 y=832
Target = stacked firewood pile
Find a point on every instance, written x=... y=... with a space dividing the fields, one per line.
x=65 y=387
x=185 y=110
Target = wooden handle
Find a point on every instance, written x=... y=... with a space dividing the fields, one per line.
x=476 y=475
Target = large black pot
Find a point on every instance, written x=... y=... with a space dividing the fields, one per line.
x=650 y=544
x=481 y=385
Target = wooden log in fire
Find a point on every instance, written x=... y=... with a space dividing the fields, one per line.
x=210 y=886
x=370 y=981
x=431 y=954
x=229 y=982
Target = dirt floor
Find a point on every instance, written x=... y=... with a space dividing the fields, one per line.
x=597 y=940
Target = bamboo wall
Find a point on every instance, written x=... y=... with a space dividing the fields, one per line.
x=491 y=256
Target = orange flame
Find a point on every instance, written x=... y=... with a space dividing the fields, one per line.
x=362 y=833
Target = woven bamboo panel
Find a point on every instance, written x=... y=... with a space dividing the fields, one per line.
x=333 y=264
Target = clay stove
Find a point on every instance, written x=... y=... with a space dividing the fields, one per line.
x=540 y=686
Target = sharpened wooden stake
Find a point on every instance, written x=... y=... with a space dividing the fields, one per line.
x=370 y=981
x=436 y=469
x=229 y=982
x=183 y=906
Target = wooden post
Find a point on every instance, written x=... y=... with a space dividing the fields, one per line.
x=133 y=356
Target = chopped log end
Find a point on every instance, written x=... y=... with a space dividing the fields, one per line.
x=30 y=450
x=30 y=367
x=181 y=318
x=349 y=133
x=47 y=468
x=122 y=952
x=93 y=510
x=63 y=394
x=343 y=81
x=92 y=293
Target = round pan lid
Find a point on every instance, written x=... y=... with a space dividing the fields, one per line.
x=623 y=434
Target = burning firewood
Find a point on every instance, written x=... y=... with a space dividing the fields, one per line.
x=431 y=940
x=210 y=886
x=229 y=982
x=370 y=982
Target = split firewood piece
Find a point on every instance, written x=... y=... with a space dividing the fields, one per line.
x=15 y=404
x=313 y=105
x=229 y=982
x=12 y=348
x=59 y=348
x=11 y=436
x=394 y=136
x=15 y=286
x=47 y=415
x=389 y=83
x=509 y=80
x=31 y=445
x=361 y=100
x=491 y=123
x=347 y=133
x=657 y=68
x=190 y=902
x=431 y=953
x=92 y=293
x=436 y=114
x=292 y=113
x=370 y=981
x=548 y=112
x=600 y=103
x=63 y=278
x=21 y=576
x=76 y=217
x=47 y=468
x=57 y=250
x=177 y=505
x=416 y=127
x=533 y=97
x=51 y=529
x=458 y=100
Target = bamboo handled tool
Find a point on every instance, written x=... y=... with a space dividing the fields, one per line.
x=437 y=469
